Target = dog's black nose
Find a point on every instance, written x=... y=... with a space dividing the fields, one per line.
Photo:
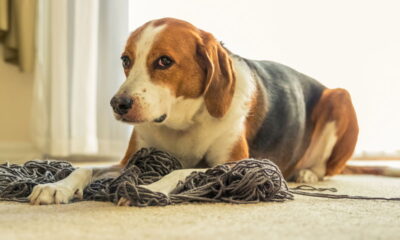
x=121 y=104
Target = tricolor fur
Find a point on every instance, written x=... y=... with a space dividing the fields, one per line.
x=221 y=107
x=188 y=95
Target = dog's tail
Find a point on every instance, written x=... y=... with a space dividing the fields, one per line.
x=372 y=170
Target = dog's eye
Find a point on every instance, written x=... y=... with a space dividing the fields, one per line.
x=163 y=62
x=126 y=62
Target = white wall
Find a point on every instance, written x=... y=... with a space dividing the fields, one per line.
x=350 y=44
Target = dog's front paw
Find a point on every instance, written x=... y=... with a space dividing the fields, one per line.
x=306 y=176
x=51 y=193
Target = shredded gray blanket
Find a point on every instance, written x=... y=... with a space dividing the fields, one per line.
x=245 y=181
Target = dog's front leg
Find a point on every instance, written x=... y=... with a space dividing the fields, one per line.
x=72 y=186
x=166 y=184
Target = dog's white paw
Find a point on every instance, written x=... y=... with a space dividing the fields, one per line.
x=306 y=176
x=51 y=193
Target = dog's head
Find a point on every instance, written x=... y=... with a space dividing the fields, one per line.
x=169 y=65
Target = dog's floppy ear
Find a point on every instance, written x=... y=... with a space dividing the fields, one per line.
x=220 y=77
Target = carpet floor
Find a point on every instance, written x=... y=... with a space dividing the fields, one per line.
x=302 y=218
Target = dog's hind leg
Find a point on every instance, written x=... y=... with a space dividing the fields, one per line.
x=333 y=139
x=314 y=167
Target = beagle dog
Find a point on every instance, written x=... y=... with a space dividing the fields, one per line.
x=190 y=96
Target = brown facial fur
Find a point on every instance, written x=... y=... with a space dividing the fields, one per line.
x=185 y=77
x=201 y=64
x=130 y=47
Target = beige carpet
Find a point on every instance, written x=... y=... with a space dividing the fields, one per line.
x=303 y=218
